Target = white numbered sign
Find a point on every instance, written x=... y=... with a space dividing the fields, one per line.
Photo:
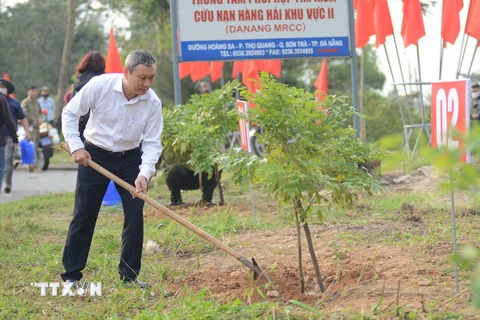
x=450 y=114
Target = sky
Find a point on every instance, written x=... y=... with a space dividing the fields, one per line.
x=428 y=47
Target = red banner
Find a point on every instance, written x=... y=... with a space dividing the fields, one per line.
x=450 y=113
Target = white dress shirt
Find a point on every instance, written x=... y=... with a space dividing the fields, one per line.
x=116 y=124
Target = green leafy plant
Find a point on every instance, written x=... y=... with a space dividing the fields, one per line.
x=200 y=127
x=312 y=158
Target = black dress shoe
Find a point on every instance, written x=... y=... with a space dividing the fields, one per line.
x=136 y=282
x=176 y=203
x=209 y=203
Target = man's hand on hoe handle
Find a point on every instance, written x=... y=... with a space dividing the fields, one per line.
x=80 y=156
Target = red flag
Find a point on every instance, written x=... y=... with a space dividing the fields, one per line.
x=382 y=21
x=250 y=74
x=216 y=70
x=199 y=70
x=237 y=67
x=113 y=64
x=364 y=27
x=451 y=20
x=7 y=77
x=271 y=66
x=184 y=69
x=321 y=83
x=472 y=27
x=412 y=24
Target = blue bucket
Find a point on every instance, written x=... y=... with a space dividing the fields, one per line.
x=111 y=197
x=27 y=151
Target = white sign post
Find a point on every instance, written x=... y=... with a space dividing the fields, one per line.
x=244 y=128
x=451 y=112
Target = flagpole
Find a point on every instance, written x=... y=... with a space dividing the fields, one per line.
x=176 y=74
x=353 y=60
x=403 y=78
x=422 y=113
x=402 y=115
x=460 y=56
x=473 y=58
x=463 y=50
x=441 y=58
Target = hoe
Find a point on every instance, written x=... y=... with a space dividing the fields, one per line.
x=254 y=266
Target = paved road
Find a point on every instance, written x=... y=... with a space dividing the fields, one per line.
x=27 y=184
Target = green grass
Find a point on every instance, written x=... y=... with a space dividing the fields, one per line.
x=34 y=231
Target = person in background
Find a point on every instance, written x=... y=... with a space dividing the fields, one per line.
x=46 y=102
x=91 y=65
x=204 y=87
x=17 y=115
x=46 y=140
x=33 y=112
x=475 y=92
x=5 y=119
x=68 y=95
x=124 y=113
x=180 y=176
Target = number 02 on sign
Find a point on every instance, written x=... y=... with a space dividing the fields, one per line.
x=450 y=114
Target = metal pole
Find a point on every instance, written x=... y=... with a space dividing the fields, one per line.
x=441 y=59
x=422 y=113
x=175 y=51
x=462 y=56
x=353 y=56
x=459 y=64
x=454 y=231
x=403 y=79
x=473 y=58
x=400 y=105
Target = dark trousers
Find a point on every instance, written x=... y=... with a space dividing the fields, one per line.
x=178 y=178
x=90 y=190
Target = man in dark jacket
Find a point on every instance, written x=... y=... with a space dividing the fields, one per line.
x=5 y=119
x=17 y=115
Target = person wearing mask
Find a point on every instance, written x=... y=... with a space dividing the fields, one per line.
x=91 y=65
x=47 y=103
x=5 y=119
x=124 y=113
x=33 y=112
x=475 y=92
x=17 y=115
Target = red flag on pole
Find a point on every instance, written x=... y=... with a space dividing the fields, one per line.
x=237 y=68
x=321 y=83
x=412 y=24
x=7 y=77
x=451 y=20
x=472 y=27
x=250 y=74
x=113 y=63
x=271 y=66
x=216 y=70
x=364 y=27
x=184 y=69
x=199 y=70
x=382 y=21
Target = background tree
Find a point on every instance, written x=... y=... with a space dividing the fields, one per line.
x=31 y=49
x=67 y=51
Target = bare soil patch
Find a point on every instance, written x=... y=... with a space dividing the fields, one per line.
x=358 y=274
